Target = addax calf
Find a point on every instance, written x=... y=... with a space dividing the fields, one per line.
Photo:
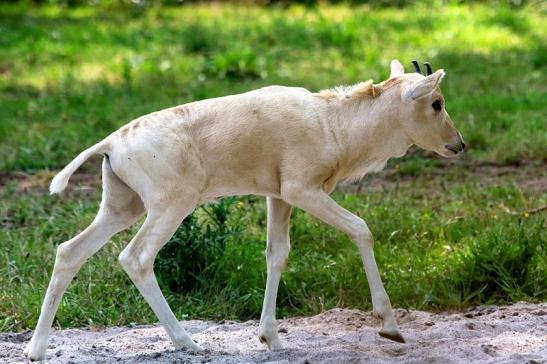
x=288 y=144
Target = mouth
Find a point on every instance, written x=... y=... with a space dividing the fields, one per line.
x=453 y=149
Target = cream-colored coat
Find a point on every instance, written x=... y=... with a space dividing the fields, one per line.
x=286 y=143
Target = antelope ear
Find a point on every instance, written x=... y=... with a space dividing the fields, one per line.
x=424 y=86
x=397 y=69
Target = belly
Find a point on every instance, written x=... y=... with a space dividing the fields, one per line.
x=227 y=182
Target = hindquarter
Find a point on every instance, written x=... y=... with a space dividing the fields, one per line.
x=157 y=163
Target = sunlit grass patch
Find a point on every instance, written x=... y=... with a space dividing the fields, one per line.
x=110 y=61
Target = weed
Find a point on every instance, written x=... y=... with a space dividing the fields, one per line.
x=186 y=263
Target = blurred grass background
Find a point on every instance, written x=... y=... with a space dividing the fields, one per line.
x=446 y=236
x=71 y=76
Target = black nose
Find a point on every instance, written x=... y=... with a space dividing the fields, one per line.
x=463 y=145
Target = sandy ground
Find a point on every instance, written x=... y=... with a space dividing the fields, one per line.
x=487 y=334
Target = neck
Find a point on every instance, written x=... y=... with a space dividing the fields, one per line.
x=370 y=133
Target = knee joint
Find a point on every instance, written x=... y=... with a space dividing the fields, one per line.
x=63 y=252
x=132 y=265
x=277 y=258
x=65 y=259
x=361 y=234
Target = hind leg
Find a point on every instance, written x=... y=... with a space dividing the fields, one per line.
x=137 y=259
x=120 y=208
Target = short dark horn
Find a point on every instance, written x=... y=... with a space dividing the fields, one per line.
x=417 y=67
x=428 y=66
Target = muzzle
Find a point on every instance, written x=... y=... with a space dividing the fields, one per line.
x=457 y=147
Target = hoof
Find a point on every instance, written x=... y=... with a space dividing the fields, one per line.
x=197 y=348
x=395 y=336
x=190 y=346
x=34 y=354
x=273 y=343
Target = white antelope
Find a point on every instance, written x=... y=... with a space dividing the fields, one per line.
x=288 y=144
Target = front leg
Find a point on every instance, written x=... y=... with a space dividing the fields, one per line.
x=277 y=252
x=322 y=206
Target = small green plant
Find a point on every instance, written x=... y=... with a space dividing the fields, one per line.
x=188 y=261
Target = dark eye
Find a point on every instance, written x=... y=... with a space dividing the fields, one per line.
x=437 y=105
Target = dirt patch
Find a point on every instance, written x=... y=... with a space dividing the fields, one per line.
x=487 y=334
x=39 y=181
x=529 y=176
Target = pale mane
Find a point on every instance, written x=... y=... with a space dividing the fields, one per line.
x=357 y=92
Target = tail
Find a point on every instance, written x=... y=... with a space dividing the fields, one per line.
x=59 y=182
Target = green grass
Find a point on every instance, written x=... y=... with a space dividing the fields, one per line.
x=441 y=242
x=444 y=238
x=70 y=77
